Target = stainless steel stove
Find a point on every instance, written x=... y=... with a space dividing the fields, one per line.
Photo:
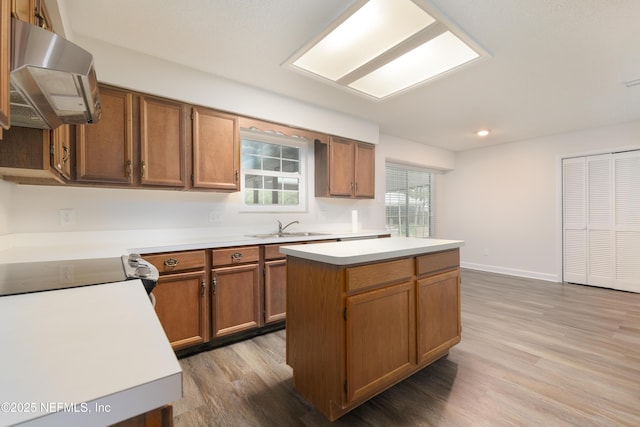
x=21 y=278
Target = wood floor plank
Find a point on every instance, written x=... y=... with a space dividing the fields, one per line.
x=533 y=353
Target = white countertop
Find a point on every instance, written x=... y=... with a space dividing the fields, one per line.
x=92 y=355
x=104 y=244
x=361 y=251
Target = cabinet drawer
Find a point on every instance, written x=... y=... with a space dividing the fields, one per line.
x=237 y=255
x=437 y=261
x=176 y=261
x=273 y=252
x=382 y=273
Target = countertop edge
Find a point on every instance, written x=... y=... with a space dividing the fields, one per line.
x=367 y=255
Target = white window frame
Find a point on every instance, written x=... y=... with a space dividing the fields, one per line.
x=275 y=138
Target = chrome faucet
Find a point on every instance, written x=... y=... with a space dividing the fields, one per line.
x=281 y=228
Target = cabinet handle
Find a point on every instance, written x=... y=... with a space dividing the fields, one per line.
x=236 y=256
x=351 y=185
x=143 y=169
x=202 y=287
x=171 y=262
x=356 y=187
x=214 y=285
x=129 y=169
x=66 y=155
x=236 y=175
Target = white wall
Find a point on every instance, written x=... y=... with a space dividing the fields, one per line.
x=504 y=200
x=35 y=209
x=5 y=199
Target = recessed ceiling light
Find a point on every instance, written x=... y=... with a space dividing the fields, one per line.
x=483 y=132
x=381 y=47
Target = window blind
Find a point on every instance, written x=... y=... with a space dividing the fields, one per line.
x=408 y=200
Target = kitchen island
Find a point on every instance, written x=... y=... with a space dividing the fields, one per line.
x=364 y=315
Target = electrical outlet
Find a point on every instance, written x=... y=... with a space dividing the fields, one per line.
x=67 y=217
x=215 y=216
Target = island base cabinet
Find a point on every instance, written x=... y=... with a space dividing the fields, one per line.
x=353 y=331
x=380 y=345
x=438 y=315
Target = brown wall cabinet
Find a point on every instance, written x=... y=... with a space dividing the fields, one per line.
x=235 y=290
x=216 y=150
x=143 y=140
x=344 y=168
x=104 y=151
x=162 y=142
x=354 y=331
x=181 y=297
x=140 y=141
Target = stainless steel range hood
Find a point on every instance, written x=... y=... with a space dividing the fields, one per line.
x=53 y=81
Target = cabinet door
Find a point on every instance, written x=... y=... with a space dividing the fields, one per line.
x=162 y=142
x=438 y=314
x=216 y=150
x=61 y=152
x=181 y=308
x=364 y=170
x=380 y=339
x=236 y=299
x=5 y=49
x=104 y=151
x=341 y=163
x=275 y=290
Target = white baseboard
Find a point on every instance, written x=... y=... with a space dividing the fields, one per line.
x=511 y=271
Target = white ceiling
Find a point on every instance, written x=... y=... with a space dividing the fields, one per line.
x=555 y=65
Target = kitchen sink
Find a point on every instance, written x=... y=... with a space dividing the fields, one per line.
x=288 y=234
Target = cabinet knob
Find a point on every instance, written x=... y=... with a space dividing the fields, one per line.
x=237 y=256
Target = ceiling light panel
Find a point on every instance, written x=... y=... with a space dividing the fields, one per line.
x=382 y=47
x=374 y=28
x=440 y=54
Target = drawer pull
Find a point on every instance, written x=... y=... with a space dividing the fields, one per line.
x=237 y=256
x=171 y=262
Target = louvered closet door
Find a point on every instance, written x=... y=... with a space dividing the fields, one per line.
x=601 y=220
x=599 y=224
x=574 y=220
x=627 y=220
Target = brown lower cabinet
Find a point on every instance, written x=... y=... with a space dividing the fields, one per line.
x=354 y=331
x=275 y=290
x=210 y=297
x=235 y=290
x=181 y=301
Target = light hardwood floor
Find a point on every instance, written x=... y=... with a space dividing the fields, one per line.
x=533 y=353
